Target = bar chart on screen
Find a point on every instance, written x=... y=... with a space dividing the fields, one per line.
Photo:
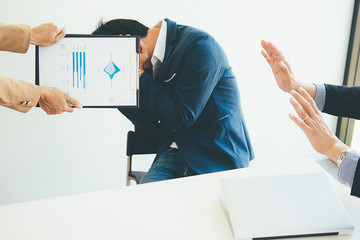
x=73 y=67
x=79 y=68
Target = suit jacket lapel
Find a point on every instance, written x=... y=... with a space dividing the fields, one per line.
x=170 y=38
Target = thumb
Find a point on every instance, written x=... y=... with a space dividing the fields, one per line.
x=60 y=35
x=70 y=109
x=73 y=101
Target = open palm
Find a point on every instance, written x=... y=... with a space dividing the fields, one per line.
x=282 y=71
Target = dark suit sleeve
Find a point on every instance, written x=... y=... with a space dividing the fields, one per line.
x=141 y=118
x=201 y=70
x=355 y=189
x=342 y=101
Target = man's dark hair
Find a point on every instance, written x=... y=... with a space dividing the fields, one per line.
x=121 y=26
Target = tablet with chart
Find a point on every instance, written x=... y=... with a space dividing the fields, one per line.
x=98 y=71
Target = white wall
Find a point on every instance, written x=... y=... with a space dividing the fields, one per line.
x=45 y=156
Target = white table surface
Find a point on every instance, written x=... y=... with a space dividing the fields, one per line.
x=187 y=208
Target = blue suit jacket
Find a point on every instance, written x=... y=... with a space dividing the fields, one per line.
x=344 y=101
x=194 y=100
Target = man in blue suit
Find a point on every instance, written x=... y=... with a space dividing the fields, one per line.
x=188 y=96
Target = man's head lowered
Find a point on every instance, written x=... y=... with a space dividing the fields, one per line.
x=123 y=27
x=148 y=36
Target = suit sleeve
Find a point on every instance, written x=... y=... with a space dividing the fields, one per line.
x=355 y=189
x=201 y=70
x=141 y=118
x=15 y=38
x=18 y=95
x=342 y=101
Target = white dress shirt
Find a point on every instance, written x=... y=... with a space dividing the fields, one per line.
x=159 y=50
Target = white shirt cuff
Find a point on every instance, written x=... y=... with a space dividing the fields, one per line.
x=347 y=168
x=320 y=96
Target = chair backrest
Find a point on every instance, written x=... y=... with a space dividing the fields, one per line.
x=139 y=142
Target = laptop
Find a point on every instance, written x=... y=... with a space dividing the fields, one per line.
x=270 y=207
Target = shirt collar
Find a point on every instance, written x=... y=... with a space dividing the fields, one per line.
x=160 y=46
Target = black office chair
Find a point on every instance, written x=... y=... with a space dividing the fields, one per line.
x=139 y=142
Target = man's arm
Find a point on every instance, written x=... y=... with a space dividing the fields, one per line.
x=142 y=119
x=342 y=101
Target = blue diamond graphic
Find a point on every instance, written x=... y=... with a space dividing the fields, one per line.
x=111 y=69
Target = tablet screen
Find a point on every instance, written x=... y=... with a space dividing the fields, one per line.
x=98 y=71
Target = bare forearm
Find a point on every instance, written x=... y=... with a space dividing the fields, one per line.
x=309 y=87
x=335 y=150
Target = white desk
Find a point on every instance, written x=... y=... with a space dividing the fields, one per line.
x=187 y=208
